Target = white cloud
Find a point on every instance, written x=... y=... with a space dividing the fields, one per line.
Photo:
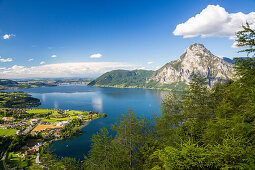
x=98 y=55
x=149 y=62
x=214 y=21
x=141 y=68
x=42 y=62
x=4 y=60
x=234 y=45
x=63 y=69
x=31 y=59
x=53 y=56
x=8 y=36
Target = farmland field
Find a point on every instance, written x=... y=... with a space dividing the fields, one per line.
x=8 y=132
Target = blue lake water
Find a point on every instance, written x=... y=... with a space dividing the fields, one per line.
x=112 y=101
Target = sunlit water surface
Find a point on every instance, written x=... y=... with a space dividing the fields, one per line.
x=112 y=101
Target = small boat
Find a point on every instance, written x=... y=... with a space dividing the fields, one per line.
x=67 y=146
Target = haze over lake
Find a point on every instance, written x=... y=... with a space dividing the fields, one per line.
x=112 y=101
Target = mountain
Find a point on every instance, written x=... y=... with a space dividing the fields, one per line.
x=173 y=75
x=4 y=83
x=195 y=59
x=228 y=60
x=123 y=78
x=7 y=82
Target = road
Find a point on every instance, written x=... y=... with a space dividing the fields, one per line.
x=4 y=164
x=37 y=159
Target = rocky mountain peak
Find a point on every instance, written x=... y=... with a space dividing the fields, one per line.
x=197 y=50
x=196 y=59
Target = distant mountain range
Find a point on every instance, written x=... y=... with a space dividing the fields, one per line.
x=173 y=75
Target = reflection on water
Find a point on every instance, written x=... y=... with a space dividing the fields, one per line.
x=112 y=101
x=97 y=104
x=55 y=105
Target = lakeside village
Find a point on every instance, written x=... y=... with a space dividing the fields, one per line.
x=24 y=131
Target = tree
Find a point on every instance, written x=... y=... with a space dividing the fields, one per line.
x=132 y=133
x=246 y=38
x=100 y=154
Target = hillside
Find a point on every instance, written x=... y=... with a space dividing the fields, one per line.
x=7 y=82
x=123 y=78
x=173 y=75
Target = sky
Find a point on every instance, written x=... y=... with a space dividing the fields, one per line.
x=85 y=38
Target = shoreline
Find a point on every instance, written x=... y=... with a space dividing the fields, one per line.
x=132 y=87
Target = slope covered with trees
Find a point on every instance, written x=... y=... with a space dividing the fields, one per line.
x=123 y=78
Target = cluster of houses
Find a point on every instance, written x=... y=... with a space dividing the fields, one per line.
x=31 y=151
x=8 y=123
x=29 y=124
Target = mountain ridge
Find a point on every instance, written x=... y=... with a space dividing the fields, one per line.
x=175 y=74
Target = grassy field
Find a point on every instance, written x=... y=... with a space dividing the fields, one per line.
x=74 y=112
x=56 y=119
x=39 y=111
x=8 y=132
x=55 y=113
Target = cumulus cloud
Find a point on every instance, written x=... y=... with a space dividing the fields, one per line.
x=53 y=56
x=31 y=59
x=8 y=36
x=149 y=62
x=63 y=69
x=98 y=55
x=42 y=62
x=214 y=21
x=4 y=60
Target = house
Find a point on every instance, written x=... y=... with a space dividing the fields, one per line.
x=18 y=132
x=35 y=132
x=63 y=123
x=56 y=134
x=8 y=119
x=34 y=121
x=30 y=152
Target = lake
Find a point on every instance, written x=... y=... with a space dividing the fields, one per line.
x=112 y=101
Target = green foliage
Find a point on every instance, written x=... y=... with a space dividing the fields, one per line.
x=134 y=79
x=4 y=144
x=246 y=38
x=17 y=142
x=184 y=156
x=17 y=100
x=71 y=129
x=123 y=78
x=53 y=162
x=4 y=82
x=10 y=84
x=100 y=155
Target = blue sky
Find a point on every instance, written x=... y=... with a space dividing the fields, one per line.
x=64 y=38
